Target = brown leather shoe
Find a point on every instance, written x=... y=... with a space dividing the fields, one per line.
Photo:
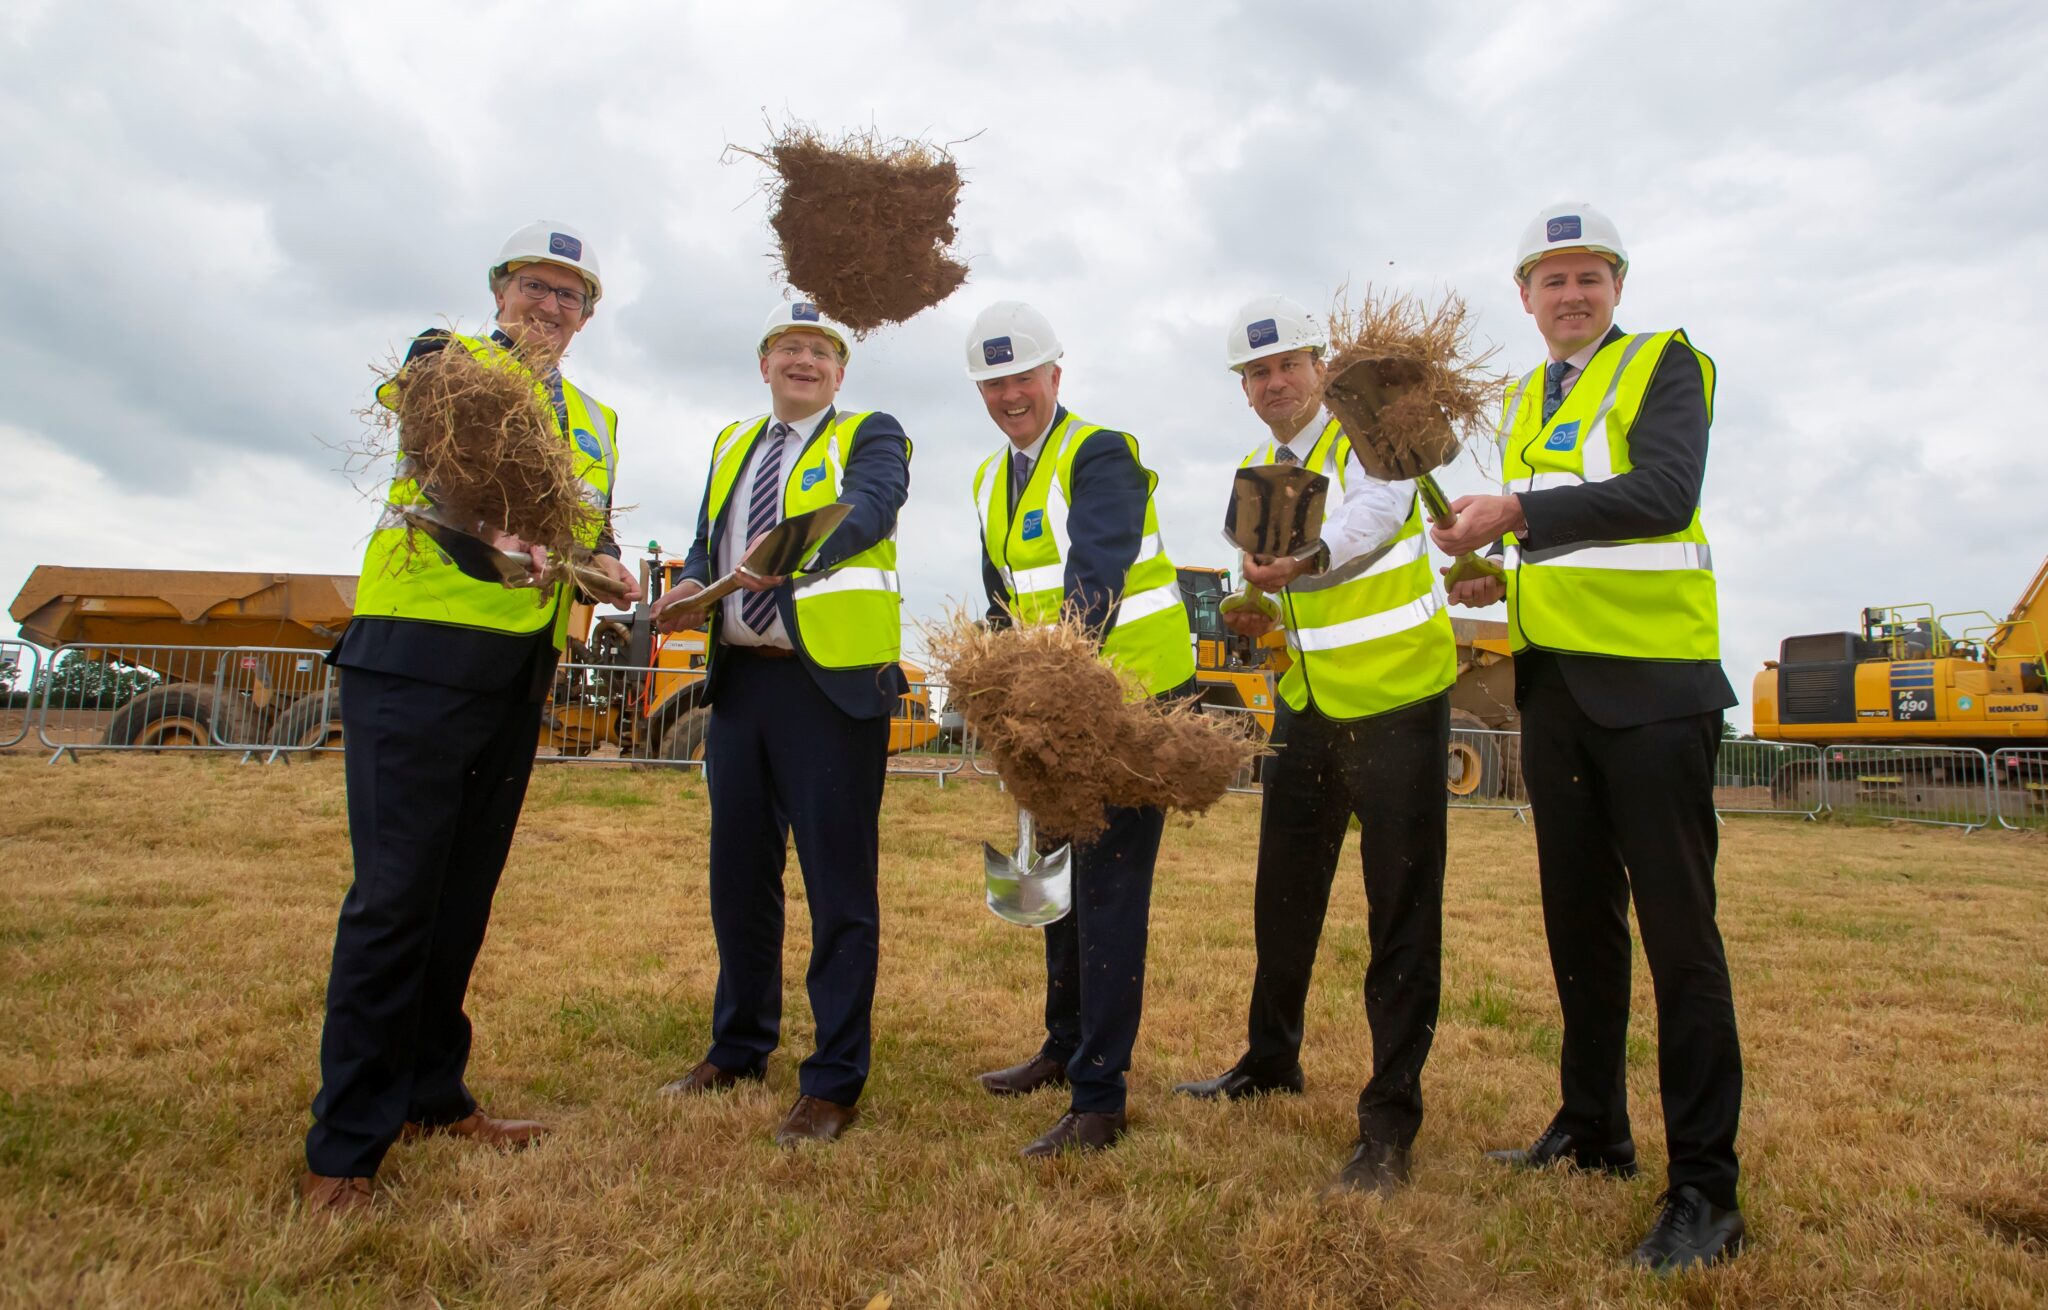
x=333 y=1197
x=478 y=1127
x=813 y=1120
x=708 y=1077
x=1078 y=1132
x=1040 y=1070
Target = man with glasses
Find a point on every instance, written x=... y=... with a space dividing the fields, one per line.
x=802 y=679
x=443 y=679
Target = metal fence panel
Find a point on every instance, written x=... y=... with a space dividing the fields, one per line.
x=1945 y=785
x=2019 y=786
x=1483 y=770
x=213 y=699
x=624 y=714
x=22 y=663
x=1768 y=777
x=918 y=742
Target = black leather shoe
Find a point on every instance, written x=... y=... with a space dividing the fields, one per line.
x=1040 y=1070
x=1078 y=1132
x=1373 y=1167
x=1234 y=1084
x=1691 y=1231
x=1617 y=1159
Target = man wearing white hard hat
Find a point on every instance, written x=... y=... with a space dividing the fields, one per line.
x=443 y=678
x=1068 y=526
x=1612 y=616
x=1362 y=728
x=802 y=680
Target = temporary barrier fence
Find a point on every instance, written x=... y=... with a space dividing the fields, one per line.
x=2019 y=786
x=1768 y=777
x=20 y=665
x=216 y=699
x=1483 y=771
x=919 y=746
x=637 y=714
x=1949 y=786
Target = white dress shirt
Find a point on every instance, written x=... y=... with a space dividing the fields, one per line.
x=1030 y=452
x=732 y=543
x=1368 y=514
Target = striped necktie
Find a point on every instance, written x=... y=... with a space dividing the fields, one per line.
x=764 y=511
x=1553 y=386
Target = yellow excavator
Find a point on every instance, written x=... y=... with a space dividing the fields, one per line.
x=1910 y=676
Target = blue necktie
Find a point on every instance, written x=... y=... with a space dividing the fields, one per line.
x=1553 y=387
x=764 y=511
x=1286 y=455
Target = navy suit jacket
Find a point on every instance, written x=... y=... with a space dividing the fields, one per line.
x=1668 y=448
x=1105 y=529
x=876 y=482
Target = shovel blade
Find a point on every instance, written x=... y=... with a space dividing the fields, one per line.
x=1275 y=510
x=783 y=549
x=1033 y=895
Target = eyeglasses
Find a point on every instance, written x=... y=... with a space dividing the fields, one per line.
x=534 y=289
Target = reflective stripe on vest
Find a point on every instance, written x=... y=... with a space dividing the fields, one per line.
x=1372 y=634
x=1148 y=635
x=404 y=576
x=1651 y=598
x=850 y=615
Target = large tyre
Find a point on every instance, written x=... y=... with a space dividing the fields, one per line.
x=180 y=715
x=311 y=721
x=1472 y=768
x=684 y=739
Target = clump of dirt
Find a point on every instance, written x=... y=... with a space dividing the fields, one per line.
x=483 y=445
x=864 y=223
x=1404 y=382
x=1067 y=737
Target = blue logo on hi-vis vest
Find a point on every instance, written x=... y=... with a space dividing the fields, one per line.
x=1262 y=333
x=586 y=441
x=997 y=350
x=1566 y=436
x=803 y=311
x=1034 y=523
x=568 y=247
x=812 y=477
x=1565 y=227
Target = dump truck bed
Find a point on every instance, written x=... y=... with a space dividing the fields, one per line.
x=179 y=607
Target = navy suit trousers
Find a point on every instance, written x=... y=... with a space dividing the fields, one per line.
x=782 y=760
x=436 y=777
x=1095 y=960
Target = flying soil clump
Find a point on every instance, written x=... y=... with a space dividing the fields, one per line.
x=863 y=224
x=1405 y=384
x=1065 y=737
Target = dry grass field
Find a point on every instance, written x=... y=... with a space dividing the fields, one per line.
x=164 y=929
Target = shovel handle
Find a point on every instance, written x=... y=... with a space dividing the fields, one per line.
x=1434 y=501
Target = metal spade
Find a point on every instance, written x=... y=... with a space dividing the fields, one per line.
x=1028 y=888
x=475 y=557
x=778 y=552
x=1275 y=512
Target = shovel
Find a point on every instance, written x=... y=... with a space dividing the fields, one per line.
x=1028 y=889
x=1275 y=512
x=477 y=558
x=778 y=552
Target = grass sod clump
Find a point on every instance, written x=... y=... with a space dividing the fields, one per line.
x=1406 y=383
x=161 y=976
x=863 y=223
x=1067 y=736
x=482 y=443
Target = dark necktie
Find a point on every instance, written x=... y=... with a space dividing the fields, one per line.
x=1020 y=476
x=1286 y=455
x=764 y=511
x=1553 y=387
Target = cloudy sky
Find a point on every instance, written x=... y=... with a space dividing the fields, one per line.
x=219 y=216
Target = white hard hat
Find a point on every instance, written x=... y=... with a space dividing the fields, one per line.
x=1009 y=337
x=1573 y=225
x=789 y=315
x=544 y=241
x=1272 y=325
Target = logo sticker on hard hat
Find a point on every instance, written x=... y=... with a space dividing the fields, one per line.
x=1034 y=524
x=812 y=477
x=1262 y=333
x=1566 y=436
x=997 y=350
x=586 y=440
x=1565 y=227
x=803 y=311
x=568 y=247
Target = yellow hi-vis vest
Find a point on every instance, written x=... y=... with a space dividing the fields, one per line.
x=1650 y=598
x=404 y=580
x=1372 y=634
x=849 y=616
x=1149 y=637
